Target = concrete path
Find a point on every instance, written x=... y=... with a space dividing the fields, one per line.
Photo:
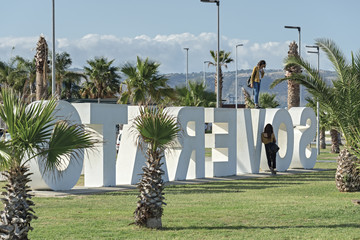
x=79 y=190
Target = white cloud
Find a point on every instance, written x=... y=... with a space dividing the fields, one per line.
x=166 y=49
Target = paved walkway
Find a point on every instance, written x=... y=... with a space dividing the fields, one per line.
x=79 y=190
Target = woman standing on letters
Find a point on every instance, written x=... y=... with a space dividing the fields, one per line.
x=256 y=76
x=268 y=137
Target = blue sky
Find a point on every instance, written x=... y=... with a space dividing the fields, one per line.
x=160 y=29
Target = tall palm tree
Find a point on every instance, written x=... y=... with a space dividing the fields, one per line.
x=293 y=99
x=224 y=59
x=156 y=131
x=41 y=59
x=104 y=81
x=71 y=85
x=34 y=133
x=66 y=80
x=144 y=84
x=340 y=100
x=195 y=95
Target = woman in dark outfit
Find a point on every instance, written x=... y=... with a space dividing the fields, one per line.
x=268 y=137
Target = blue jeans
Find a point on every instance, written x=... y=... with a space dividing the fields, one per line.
x=256 y=92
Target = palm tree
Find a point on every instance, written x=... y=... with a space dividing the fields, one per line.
x=156 y=132
x=104 y=81
x=65 y=78
x=340 y=100
x=12 y=75
x=266 y=100
x=224 y=59
x=327 y=122
x=71 y=85
x=144 y=84
x=196 y=96
x=293 y=87
x=41 y=59
x=34 y=133
x=30 y=68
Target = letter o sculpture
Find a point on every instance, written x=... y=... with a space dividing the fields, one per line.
x=61 y=179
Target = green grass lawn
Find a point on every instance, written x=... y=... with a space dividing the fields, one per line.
x=300 y=206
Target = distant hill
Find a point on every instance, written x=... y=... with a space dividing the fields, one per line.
x=178 y=79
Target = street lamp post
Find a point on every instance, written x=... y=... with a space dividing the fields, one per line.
x=218 y=50
x=53 y=50
x=236 y=75
x=187 y=66
x=317 y=102
x=299 y=31
x=204 y=77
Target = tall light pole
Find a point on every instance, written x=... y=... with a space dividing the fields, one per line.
x=218 y=50
x=204 y=77
x=53 y=50
x=299 y=31
x=317 y=102
x=236 y=75
x=187 y=66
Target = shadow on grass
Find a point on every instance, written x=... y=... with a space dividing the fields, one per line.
x=352 y=225
x=241 y=185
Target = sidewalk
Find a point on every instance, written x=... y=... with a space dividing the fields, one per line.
x=79 y=190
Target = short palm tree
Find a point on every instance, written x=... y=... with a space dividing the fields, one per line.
x=195 y=95
x=34 y=133
x=144 y=84
x=157 y=130
x=340 y=100
x=224 y=60
x=266 y=100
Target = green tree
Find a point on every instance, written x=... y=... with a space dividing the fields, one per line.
x=34 y=133
x=157 y=130
x=340 y=100
x=266 y=100
x=103 y=82
x=29 y=67
x=66 y=81
x=224 y=60
x=196 y=96
x=12 y=75
x=144 y=84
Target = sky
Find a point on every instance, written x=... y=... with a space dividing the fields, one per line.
x=161 y=29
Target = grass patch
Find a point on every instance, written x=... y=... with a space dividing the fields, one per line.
x=299 y=206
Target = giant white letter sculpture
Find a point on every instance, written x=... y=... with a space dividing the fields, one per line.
x=304 y=121
x=71 y=171
x=102 y=118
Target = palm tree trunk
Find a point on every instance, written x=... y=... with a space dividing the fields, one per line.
x=41 y=58
x=347 y=175
x=221 y=85
x=322 y=138
x=334 y=141
x=149 y=207
x=18 y=213
x=293 y=94
x=293 y=88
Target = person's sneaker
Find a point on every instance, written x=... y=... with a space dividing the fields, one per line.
x=257 y=106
